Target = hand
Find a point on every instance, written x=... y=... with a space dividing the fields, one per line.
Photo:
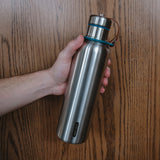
x=60 y=70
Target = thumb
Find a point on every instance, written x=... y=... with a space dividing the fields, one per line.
x=72 y=46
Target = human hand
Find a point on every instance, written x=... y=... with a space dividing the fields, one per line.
x=59 y=72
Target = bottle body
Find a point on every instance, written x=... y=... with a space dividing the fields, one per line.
x=84 y=80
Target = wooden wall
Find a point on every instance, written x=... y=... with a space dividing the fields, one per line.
x=126 y=123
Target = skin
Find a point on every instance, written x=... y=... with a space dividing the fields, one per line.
x=18 y=91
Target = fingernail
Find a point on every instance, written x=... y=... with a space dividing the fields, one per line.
x=80 y=38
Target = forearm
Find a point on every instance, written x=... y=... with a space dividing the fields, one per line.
x=21 y=90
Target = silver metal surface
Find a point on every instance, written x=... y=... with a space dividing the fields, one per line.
x=84 y=80
x=100 y=20
x=85 y=77
x=97 y=32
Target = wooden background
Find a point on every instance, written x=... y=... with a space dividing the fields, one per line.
x=126 y=123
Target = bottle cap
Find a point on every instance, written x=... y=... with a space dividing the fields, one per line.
x=98 y=27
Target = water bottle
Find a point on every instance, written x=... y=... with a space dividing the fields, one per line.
x=84 y=81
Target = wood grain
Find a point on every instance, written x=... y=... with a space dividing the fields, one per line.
x=126 y=123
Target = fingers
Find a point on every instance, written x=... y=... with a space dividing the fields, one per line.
x=105 y=83
x=72 y=46
x=107 y=74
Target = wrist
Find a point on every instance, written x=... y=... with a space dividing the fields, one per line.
x=46 y=83
x=57 y=87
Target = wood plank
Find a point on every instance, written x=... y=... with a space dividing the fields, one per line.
x=126 y=122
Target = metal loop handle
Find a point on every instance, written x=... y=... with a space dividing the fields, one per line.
x=113 y=41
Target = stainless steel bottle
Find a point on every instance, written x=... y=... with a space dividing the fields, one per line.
x=84 y=81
